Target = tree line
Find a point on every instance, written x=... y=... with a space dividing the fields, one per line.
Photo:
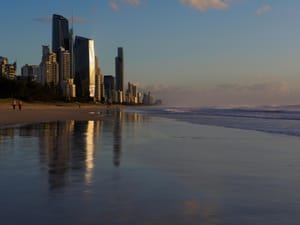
x=28 y=90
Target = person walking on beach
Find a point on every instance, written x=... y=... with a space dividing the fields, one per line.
x=14 y=103
x=20 y=105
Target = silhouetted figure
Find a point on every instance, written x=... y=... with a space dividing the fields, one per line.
x=20 y=105
x=14 y=103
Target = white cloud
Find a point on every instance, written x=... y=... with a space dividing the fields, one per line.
x=263 y=9
x=203 y=5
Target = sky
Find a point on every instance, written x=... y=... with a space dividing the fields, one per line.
x=186 y=52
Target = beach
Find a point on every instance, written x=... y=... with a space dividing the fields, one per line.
x=146 y=170
x=47 y=112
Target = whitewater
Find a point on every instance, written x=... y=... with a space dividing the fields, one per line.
x=280 y=119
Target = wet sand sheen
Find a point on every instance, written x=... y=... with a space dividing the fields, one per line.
x=34 y=113
x=134 y=169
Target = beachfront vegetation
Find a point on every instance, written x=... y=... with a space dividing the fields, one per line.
x=29 y=90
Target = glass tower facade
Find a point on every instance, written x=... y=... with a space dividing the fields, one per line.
x=85 y=74
x=120 y=70
x=60 y=33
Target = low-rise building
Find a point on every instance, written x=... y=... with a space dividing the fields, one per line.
x=7 y=70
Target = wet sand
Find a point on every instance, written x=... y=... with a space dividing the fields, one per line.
x=40 y=112
x=146 y=171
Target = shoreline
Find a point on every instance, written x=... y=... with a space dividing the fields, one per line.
x=48 y=112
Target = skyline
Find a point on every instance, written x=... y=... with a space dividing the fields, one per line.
x=210 y=53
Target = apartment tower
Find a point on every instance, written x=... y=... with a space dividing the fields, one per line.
x=120 y=70
x=85 y=74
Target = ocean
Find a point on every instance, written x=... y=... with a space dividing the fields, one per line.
x=153 y=166
x=280 y=119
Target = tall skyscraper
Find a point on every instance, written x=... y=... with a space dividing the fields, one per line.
x=120 y=70
x=65 y=80
x=71 y=50
x=49 y=71
x=64 y=61
x=99 y=82
x=60 y=33
x=84 y=67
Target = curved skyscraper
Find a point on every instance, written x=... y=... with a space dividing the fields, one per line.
x=60 y=33
x=84 y=67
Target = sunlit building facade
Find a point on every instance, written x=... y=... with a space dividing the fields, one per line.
x=85 y=74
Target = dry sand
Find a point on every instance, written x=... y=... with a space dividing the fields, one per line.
x=40 y=112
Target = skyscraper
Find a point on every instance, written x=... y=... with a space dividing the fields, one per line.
x=99 y=92
x=64 y=61
x=120 y=71
x=49 y=71
x=84 y=67
x=60 y=33
x=71 y=50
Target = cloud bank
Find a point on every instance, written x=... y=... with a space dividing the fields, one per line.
x=230 y=94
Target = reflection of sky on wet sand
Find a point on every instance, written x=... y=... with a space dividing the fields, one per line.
x=131 y=169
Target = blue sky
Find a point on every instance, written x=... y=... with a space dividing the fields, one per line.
x=188 y=52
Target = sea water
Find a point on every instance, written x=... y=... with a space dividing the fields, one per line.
x=277 y=119
x=133 y=168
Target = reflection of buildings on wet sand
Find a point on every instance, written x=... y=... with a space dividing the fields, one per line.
x=117 y=137
x=92 y=133
x=115 y=125
x=69 y=147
